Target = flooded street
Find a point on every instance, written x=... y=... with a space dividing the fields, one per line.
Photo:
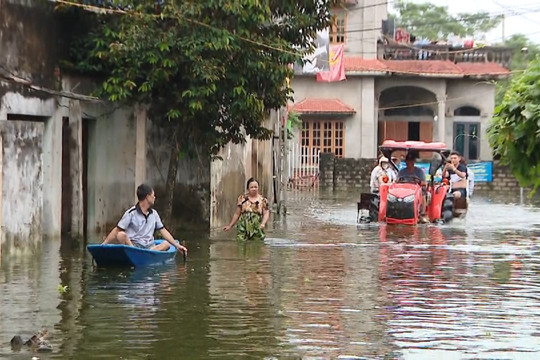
x=320 y=286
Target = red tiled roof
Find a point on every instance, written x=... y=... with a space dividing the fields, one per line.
x=322 y=106
x=482 y=68
x=361 y=64
x=420 y=67
x=424 y=67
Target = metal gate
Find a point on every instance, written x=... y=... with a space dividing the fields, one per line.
x=303 y=167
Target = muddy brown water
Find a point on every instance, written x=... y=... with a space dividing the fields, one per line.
x=320 y=286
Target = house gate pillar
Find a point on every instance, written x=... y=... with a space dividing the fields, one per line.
x=76 y=168
x=441 y=119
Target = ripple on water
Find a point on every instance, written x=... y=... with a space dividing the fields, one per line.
x=320 y=286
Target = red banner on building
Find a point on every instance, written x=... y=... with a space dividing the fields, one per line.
x=337 y=66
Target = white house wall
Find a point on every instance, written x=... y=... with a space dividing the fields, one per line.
x=478 y=94
x=360 y=128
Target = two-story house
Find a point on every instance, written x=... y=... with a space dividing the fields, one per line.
x=397 y=91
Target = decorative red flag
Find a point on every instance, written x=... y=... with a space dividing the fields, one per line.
x=337 y=66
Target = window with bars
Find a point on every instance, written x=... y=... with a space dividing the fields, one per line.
x=466 y=139
x=338 y=28
x=323 y=136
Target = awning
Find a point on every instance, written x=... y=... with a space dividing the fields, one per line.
x=317 y=106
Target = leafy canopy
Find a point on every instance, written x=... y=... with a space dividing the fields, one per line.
x=211 y=69
x=433 y=22
x=514 y=131
x=523 y=51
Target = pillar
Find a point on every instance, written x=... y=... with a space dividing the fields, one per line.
x=76 y=168
x=368 y=118
x=441 y=120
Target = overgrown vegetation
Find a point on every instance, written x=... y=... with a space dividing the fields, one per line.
x=208 y=70
x=514 y=132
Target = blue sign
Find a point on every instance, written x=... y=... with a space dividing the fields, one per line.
x=483 y=171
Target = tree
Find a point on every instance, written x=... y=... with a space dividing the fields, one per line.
x=514 y=131
x=433 y=22
x=523 y=51
x=210 y=70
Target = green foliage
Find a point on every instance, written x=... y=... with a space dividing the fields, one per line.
x=293 y=122
x=514 y=131
x=210 y=70
x=523 y=51
x=433 y=22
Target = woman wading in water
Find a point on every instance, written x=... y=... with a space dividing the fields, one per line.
x=251 y=214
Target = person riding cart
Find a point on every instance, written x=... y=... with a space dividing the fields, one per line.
x=415 y=196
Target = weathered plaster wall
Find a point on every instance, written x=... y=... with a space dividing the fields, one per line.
x=229 y=176
x=192 y=192
x=22 y=186
x=29 y=40
x=111 y=164
x=15 y=104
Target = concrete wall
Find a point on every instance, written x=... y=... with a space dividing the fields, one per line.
x=349 y=174
x=192 y=193
x=22 y=185
x=111 y=164
x=238 y=164
x=363 y=23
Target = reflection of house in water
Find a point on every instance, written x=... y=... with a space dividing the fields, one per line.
x=329 y=295
x=398 y=90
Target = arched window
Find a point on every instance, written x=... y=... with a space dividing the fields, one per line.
x=467 y=111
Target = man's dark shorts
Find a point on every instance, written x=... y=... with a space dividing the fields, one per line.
x=463 y=192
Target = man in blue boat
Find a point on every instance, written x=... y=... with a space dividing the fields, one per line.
x=138 y=224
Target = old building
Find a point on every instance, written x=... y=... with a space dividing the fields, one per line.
x=71 y=163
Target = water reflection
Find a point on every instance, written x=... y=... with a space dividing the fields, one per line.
x=455 y=303
x=320 y=286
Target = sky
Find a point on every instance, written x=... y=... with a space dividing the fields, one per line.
x=521 y=16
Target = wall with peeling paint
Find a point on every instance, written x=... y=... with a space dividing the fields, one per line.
x=191 y=204
x=229 y=176
x=22 y=190
x=111 y=165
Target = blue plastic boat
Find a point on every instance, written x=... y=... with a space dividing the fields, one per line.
x=124 y=255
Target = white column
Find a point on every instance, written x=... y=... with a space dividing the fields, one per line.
x=368 y=120
x=441 y=120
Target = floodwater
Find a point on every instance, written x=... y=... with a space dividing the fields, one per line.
x=320 y=286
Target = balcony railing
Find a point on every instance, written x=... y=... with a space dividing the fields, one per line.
x=500 y=55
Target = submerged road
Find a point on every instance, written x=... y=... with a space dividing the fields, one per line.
x=320 y=286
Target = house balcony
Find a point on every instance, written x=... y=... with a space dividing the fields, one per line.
x=499 y=55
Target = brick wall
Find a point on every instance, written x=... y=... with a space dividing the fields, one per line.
x=346 y=174
x=503 y=180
